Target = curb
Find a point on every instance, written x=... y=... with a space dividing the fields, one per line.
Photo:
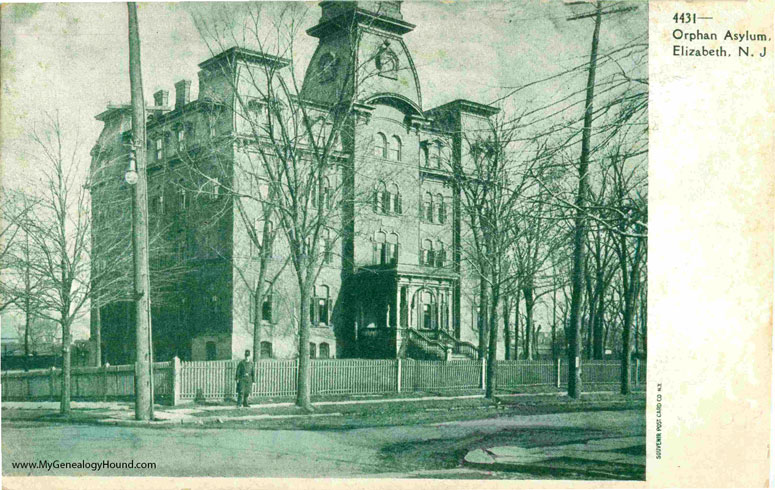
x=203 y=420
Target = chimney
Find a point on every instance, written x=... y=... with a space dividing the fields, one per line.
x=182 y=93
x=161 y=98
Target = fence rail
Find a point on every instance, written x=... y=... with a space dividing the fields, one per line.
x=85 y=382
x=214 y=380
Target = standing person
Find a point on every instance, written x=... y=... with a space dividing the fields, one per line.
x=244 y=379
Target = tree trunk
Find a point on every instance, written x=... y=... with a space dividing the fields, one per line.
x=492 y=373
x=482 y=320
x=629 y=302
x=97 y=337
x=303 y=380
x=258 y=299
x=554 y=323
x=529 y=330
x=516 y=326
x=64 y=401
x=597 y=344
x=27 y=325
x=507 y=327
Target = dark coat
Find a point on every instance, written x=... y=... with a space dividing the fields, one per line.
x=244 y=375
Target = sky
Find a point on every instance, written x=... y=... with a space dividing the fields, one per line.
x=72 y=58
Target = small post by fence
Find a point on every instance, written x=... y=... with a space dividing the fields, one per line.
x=175 y=380
x=484 y=372
x=559 y=371
x=105 y=381
x=398 y=375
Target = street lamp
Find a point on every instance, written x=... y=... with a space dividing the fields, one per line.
x=131 y=173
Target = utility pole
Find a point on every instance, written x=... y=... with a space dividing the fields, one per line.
x=579 y=232
x=137 y=178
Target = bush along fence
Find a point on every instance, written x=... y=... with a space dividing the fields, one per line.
x=178 y=381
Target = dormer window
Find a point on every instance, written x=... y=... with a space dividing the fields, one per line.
x=395 y=149
x=381 y=146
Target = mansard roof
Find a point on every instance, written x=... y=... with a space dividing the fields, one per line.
x=235 y=53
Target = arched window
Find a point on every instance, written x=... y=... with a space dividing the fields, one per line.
x=441 y=209
x=312 y=353
x=381 y=198
x=328 y=246
x=392 y=248
x=323 y=351
x=211 y=351
x=381 y=146
x=395 y=199
x=439 y=254
x=395 y=149
x=427 y=310
x=320 y=306
x=426 y=252
x=380 y=248
x=266 y=350
x=426 y=211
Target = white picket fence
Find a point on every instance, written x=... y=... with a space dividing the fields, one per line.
x=178 y=381
x=94 y=383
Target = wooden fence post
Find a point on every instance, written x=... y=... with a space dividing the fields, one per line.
x=484 y=372
x=175 y=381
x=105 y=381
x=559 y=371
x=398 y=374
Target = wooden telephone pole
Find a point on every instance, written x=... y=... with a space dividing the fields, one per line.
x=579 y=232
x=136 y=177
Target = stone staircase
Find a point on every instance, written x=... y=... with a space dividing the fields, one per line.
x=438 y=345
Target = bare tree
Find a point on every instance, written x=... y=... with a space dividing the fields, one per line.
x=294 y=169
x=492 y=179
x=58 y=228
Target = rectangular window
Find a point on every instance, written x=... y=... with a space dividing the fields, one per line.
x=181 y=139
x=266 y=309
x=319 y=311
x=159 y=149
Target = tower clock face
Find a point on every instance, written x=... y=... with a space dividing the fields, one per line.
x=327 y=65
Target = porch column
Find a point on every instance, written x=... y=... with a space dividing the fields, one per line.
x=398 y=305
x=449 y=312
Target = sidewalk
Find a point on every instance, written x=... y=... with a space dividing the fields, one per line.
x=122 y=413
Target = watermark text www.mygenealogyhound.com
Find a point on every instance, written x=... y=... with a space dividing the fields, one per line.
x=105 y=464
x=659 y=421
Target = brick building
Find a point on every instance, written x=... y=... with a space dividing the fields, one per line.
x=396 y=285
